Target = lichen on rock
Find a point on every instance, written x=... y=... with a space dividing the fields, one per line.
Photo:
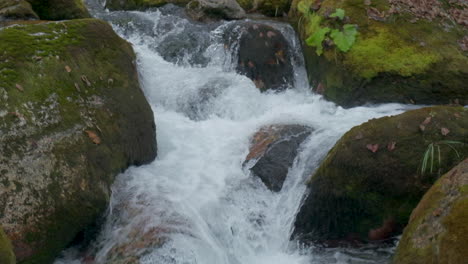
x=436 y=232
x=72 y=116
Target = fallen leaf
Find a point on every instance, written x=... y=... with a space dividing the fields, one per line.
x=437 y=212
x=77 y=87
x=444 y=131
x=391 y=146
x=422 y=127
x=67 y=68
x=271 y=34
x=85 y=80
x=94 y=137
x=372 y=147
x=19 y=87
x=427 y=120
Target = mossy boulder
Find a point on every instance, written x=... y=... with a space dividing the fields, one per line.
x=141 y=4
x=272 y=8
x=72 y=116
x=59 y=9
x=405 y=51
x=205 y=10
x=372 y=179
x=16 y=10
x=6 y=250
x=438 y=227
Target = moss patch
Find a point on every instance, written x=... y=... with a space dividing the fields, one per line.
x=6 y=251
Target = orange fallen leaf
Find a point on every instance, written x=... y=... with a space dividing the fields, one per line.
x=94 y=137
x=444 y=131
x=372 y=147
x=19 y=87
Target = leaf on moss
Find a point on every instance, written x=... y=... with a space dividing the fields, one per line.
x=339 y=13
x=94 y=137
x=345 y=39
x=444 y=131
x=315 y=40
x=67 y=68
x=19 y=87
x=391 y=146
x=372 y=147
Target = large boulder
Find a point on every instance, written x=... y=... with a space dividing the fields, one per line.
x=404 y=51
x=214 y=9
x=141 y=4
x=263 y=56
x=273 y=8
x=72 y=116
x=438 y=227
x=16 y=10
x=6 y=250
x=375 y=175
x=59 y=9
x=272 y=152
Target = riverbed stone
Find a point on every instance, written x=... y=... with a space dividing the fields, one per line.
x=60 y=9
x=72 y=116
x=372 y=178
x=263 y=55
x=203 y=10
x=438 y=227
x=273 y=150
x=16 y=10
x=405 y=51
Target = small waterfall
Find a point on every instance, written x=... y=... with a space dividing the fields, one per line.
x=196 y=204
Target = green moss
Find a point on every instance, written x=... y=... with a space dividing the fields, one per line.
x=387 y=52
x=6 y=250
x=355 y=190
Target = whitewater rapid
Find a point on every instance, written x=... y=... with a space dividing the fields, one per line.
x=207 y=208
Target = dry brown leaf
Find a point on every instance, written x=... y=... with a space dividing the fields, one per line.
x=372 y=147
x=19 y=87
x=67 y=68
x=85 y=80
x=94 y=137
x=77 y=87
x=444 y=131
x=422 y=127
x=427 y=120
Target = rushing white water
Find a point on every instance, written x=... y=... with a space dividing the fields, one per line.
x=196 y=196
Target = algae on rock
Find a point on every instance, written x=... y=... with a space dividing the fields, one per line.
x=438 y=227
x=72 y=116
x=399 y=55
x=16 y=9
x=370 y=181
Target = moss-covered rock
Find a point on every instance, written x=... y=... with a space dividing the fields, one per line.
x=205 y=10
x=6 y=250
x=141 y=4
x=438 y=227
x=16 y=9
x=59 y=9
x=372 y=179
x=72 y=116
x=404 y=52
x=273 y=8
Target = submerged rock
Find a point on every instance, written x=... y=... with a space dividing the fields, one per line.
x=215 y=9
x=438 y=227
x=72 y=116
x=264 y=56
x=372 y=179
x=405 y=51
x=16 y=10
x=141 y=4
x=6 y=250
x=273 y=150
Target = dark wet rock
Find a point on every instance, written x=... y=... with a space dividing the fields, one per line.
x=72 y=116
x=425 y=61
x=263 y=56
x=59 y=9
x=203 y=10
x=438 y=227
x=141 y=4
x=6 y=250
x=273 y=150
x=16 y=10
x=371 y=180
